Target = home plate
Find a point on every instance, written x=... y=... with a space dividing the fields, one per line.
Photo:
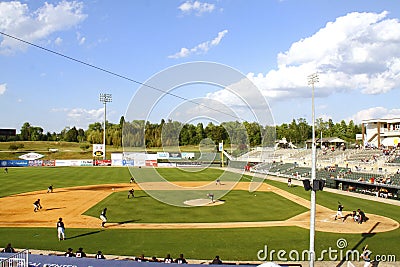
x=203 y=202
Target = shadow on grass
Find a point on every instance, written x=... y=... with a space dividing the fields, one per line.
x=124 y=222
x=356 y=246
x=85 y=234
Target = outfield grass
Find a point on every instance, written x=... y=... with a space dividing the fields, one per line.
x=230 y=244
x=21 y=180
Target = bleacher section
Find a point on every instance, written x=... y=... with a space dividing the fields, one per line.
x=364 y=156
x=382 y=184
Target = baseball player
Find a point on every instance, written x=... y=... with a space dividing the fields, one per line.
x=339 y=211
x=131 y=193
x=211 y=195
x=37 y=206
x=60 y=230
x=103 y=217
x=50 y=189
x=132 y=180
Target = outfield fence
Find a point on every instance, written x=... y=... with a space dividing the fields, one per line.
x=19 y=259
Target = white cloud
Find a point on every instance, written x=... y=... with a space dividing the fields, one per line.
x=375 y=113
x=358 y=51
x=197 y=7
x=85 y=114
x=200 y=48
x=81 y=39
x=3 y=88
x=58 y=41
x=16 y=19
x=81 y=117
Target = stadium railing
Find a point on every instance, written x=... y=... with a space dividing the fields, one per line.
x=20 y=259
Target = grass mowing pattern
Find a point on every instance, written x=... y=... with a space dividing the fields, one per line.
x=21 y=180
x=239 y=206
x=230 y=244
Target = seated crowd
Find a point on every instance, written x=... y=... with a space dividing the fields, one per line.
x=81 y=254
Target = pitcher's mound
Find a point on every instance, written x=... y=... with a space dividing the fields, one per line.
x=203 y=202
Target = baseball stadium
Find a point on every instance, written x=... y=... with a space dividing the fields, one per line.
x=243 y=211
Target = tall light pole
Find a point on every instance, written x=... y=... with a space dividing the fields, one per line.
x=105 y=98
x=312 y=79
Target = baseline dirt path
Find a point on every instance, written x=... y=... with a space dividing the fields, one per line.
x=71 y=203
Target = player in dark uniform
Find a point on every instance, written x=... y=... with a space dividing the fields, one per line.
x=131 y=193
x=50 y=189
x=103 y=217
x=79 y=253
x=99 y=255
x=60 y=229
x=181 y=260
x=168 y=259
x=211 y=196
x=362 y=217
x=37 y=206
x=339 y=211
x=132 y=180
x=69 y=253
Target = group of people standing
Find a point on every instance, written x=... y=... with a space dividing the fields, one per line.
x=358 y=216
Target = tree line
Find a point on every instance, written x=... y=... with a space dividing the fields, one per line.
x=140 y=133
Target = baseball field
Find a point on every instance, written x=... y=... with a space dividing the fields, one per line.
x=235 y=227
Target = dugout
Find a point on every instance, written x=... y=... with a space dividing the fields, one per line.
x=380 y=190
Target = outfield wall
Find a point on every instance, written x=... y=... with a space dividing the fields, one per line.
x=52 y=261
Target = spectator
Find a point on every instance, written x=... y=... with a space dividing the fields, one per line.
x=216 y=260
x=69 y=253
x=141 y=258
x=168 y=259
x=80 y=253
x=181 y=260
x=9 y=249
x=154 y=259
x=99 y=255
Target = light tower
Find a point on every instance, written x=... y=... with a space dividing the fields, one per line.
x=312 y=79
x=105 y=98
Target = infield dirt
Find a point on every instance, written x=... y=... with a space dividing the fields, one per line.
x=71 y=203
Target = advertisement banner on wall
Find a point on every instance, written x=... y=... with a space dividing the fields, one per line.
x=87 y=162
x=140 y=162
x=49 y=163
x=122 y=162
x=105 y=162
x=151 y=156
x=151 y=163
x=175 y=155
x=162 y=155
x=98 y=150
x=62 y=163
x=166 y=165
x=35 y=163
x=188 y=155
x=14 y=163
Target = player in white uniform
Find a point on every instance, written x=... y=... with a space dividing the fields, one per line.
x=60 y=229
x=103 y=217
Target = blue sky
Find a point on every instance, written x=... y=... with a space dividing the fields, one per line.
x=276 y=44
